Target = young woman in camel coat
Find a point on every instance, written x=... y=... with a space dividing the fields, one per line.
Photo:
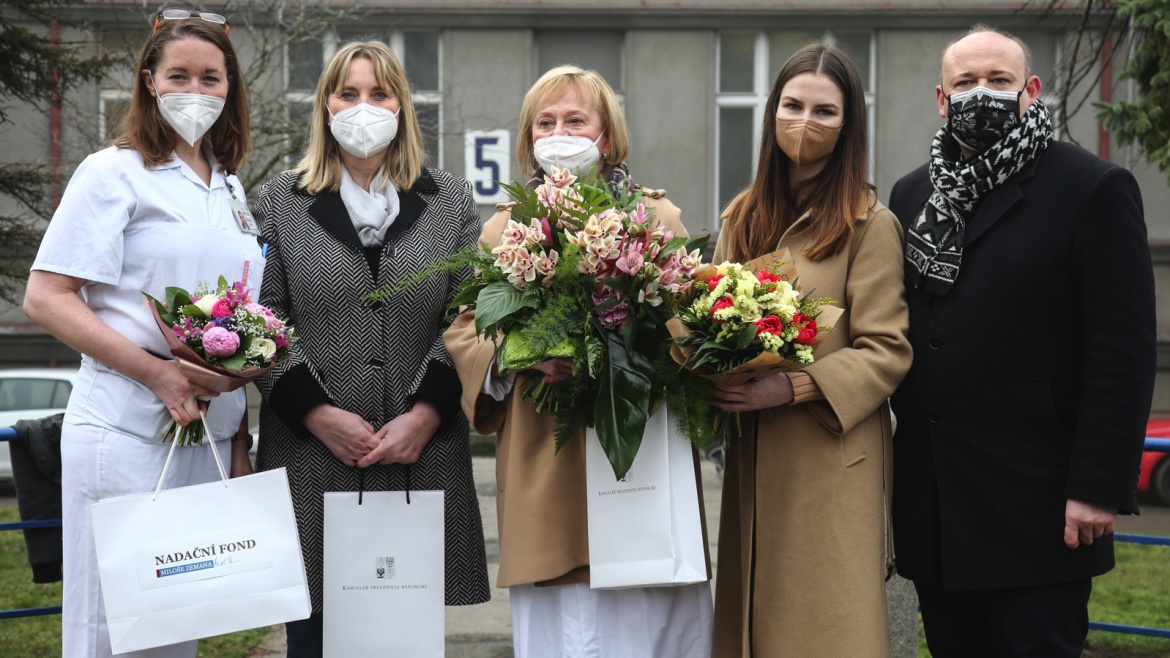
x=802 y=538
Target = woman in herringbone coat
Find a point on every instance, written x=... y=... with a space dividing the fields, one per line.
x=371 y=389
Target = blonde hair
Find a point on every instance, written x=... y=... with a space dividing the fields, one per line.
x=589 y=84
x=320 y=168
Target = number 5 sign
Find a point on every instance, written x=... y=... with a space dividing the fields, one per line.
x=487 y=161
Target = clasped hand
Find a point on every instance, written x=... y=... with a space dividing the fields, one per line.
x=356 y=443
x=771 y=391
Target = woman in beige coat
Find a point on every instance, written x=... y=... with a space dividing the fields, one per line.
x=544 y=542
x=802 y=540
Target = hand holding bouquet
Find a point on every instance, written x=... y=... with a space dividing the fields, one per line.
x=581 y=272
x=221 y=339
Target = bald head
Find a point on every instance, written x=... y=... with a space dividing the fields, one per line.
x=985 y=34
x=987 y=58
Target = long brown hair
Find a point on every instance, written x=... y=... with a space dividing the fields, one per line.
x=320 y=168
x=758 y=216
x=145 y=130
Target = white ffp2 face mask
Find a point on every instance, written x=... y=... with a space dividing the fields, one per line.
x=191 y=115
x=364 y=130
x=573 y=152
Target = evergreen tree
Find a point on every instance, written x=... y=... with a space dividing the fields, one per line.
x=36 y=70
x=1146 y=121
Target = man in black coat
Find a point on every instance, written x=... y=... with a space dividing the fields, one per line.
x=1021 y=422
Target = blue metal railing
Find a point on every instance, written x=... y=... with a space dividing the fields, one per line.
x=9 y=434
x=1153 y=444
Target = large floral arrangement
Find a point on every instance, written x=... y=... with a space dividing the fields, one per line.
x=221 y=338
x=585 y=273
x=741 y=322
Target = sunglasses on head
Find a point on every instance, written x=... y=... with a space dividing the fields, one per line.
x=175 y=14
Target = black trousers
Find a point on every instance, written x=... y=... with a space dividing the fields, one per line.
x=1049 y=621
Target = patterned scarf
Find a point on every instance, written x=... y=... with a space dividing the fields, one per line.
x=614 y=176
x=934 y=244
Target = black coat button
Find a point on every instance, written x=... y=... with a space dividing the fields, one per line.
x=934 y=416
x=375 y=363
x=936 y=343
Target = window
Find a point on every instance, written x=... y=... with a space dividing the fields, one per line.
x=747 y=66
x=598 y=50
x=417 y=50
x=25 y=394
x=114 y=104
x=114 y=97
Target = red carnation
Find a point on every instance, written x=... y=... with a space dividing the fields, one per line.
x=720 y=305
x=767 y=277
x=808 y=328
x=714 y=281
x=769 y=324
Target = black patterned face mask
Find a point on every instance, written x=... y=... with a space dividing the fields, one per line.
x=981 y=117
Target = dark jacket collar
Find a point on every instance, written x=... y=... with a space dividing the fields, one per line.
x=330 y=212
x=999 y=201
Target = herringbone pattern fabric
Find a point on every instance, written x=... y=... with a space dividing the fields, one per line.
x=370 y=359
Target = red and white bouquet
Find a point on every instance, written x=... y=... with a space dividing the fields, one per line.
x=221 y=338
x=741 y=322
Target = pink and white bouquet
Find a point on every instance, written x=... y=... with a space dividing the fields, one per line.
x=221 y=338
x=582 y=272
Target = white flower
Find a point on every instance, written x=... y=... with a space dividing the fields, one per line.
x=206 y=303
x=263 y=348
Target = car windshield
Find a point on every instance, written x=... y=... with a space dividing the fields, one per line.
x=21 y=394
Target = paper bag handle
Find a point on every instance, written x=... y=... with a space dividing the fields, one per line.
x=175 y=444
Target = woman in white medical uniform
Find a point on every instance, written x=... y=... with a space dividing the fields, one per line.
x=156 y=209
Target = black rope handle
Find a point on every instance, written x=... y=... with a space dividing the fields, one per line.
x=361 y=483
x=408 y=484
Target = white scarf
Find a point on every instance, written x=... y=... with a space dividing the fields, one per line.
x=372 y=213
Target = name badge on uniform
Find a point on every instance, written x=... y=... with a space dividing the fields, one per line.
x=244 y=218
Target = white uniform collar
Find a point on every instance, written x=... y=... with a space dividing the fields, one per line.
x=217 y=176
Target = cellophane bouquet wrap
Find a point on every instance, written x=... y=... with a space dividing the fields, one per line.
x=743 y=322
x=582 y=272
x=221 y=339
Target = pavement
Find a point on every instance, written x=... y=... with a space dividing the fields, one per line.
x=485 y=630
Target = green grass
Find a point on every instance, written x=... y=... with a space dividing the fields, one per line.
x=40 y=637
x=1136 y=593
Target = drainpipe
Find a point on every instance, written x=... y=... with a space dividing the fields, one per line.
x=1103 y=137
x=55 y=128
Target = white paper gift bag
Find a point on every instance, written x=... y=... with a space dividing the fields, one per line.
x=197 y=561
x=645 y=530
x=384 y=574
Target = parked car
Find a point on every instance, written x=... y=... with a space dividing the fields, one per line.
x=27 y=394
x=1155 y=475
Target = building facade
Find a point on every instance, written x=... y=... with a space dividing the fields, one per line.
x=692 y=75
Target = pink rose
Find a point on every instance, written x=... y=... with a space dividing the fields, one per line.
x=222 y=309
x=220 y=343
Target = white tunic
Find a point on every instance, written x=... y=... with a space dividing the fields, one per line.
x=126 y=228
x=129 y=229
